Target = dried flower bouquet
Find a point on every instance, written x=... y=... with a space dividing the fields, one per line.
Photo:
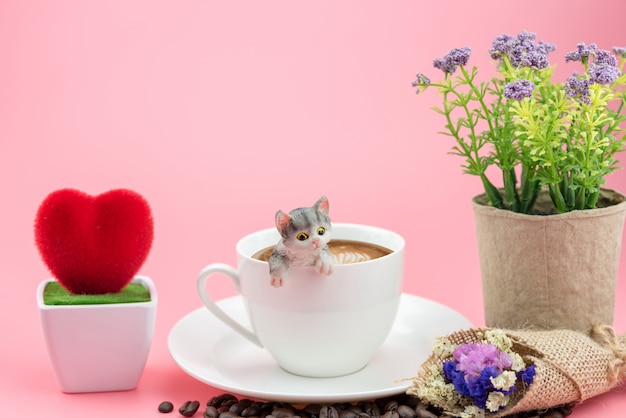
x=494 y=372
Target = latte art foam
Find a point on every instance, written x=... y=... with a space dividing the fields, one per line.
x=343 y=251
x=350 y=257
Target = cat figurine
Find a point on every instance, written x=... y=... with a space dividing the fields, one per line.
x=304 y=236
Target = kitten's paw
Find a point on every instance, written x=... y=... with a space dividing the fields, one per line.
x=328 y=269
x=277 y=281
x=324 y=267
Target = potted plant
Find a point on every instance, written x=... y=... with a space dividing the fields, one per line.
x=549 y=237
x=97 y=315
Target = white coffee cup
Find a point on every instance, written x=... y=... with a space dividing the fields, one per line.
x=316 y=325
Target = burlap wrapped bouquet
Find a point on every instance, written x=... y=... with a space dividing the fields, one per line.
x=494 y=372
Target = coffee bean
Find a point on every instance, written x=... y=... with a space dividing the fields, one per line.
x=391 y=406
x=405 y=411
x=238 y=407
x=211 y=412
x=411 y=401
x=370 y=408
x=218 y=400
x=229 y=402
x=390 y=414
x=270 y=406
x=342 y=405
x=312 y=409
x=229 y=414
x=283 y=412
x=166 y=407
x=425 y=413
x=329 y=412
x=251 y=411
x=189 y=408
x=347 y=413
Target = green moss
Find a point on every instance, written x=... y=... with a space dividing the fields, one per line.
x=55 y=294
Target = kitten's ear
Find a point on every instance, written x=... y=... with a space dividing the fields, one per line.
x=282 y=220
x=322 y=204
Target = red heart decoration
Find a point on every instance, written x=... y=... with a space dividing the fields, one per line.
x=94 y=245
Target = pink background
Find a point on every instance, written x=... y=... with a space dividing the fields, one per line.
x=220 y=113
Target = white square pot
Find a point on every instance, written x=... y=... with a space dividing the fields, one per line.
x=98 y=348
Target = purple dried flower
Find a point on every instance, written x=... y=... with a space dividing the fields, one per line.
x=528 y=374
x=620 y=51
x=421 y=80
x=534 y=59
x=479 y=370
x=519 y=89
x=604 y=57
x=578 y=88
x=472 y=358
x=502 y=45
x=526 y=37
x=581 y=52
x=545 y=47
x=480 y=386
x=603 y=73
x=522 y=50
x=455 y=376
x=454 y=58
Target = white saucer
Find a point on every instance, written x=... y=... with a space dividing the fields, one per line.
x=211 y=352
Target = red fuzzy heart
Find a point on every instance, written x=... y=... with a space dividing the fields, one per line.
x=94 y=245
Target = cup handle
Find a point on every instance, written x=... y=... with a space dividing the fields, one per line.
x=227 y=270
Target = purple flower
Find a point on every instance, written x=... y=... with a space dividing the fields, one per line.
x=534 y=59
x=456 y=377
x=577 y=87
x=454 y=58
x=472 y=358
x=502 y=45
x=479 y=387
x=519 y=89
x=479 y=369
x=604 y=57
x=527 y=375
x=421 y=81
x=522 y=50
x=526 y=40
x=620 y=51
x=581 y=53
x=603 y=73
x=545 y=47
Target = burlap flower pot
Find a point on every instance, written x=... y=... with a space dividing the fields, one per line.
x=556 y=271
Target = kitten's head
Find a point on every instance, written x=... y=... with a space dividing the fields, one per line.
x=305 y=229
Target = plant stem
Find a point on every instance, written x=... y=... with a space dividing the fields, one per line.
x=510 y=191
x=530 y=188
x=495 y=198
x=557 y=198
x=580 y=198
x=480 y=99
x=592 y=200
